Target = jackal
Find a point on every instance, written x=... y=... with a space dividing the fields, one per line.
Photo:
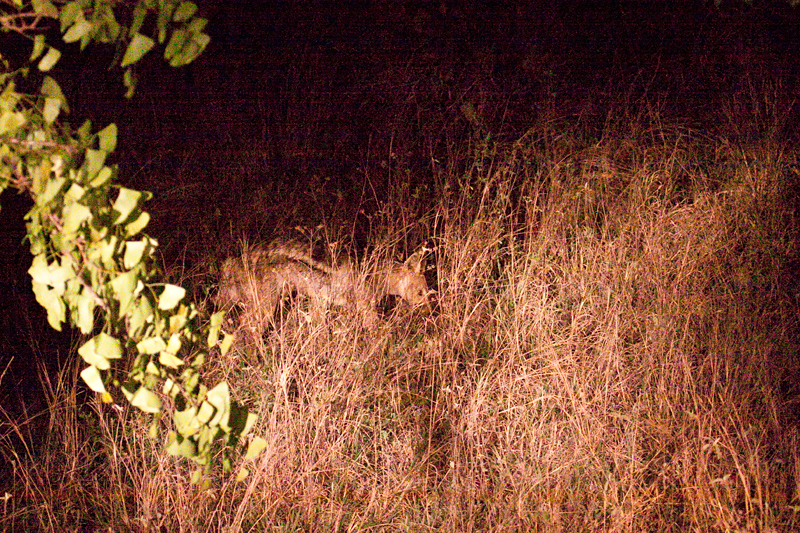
x=263 y=276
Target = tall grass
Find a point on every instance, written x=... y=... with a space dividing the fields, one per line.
x=613 y=347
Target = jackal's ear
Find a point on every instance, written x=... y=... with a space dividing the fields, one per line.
x=416 y=261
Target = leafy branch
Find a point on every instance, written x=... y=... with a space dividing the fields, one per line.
x=92 y=266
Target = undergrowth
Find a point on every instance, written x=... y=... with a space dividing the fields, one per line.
x=613 y=347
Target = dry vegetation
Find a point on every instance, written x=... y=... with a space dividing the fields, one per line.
x=613 y=345
x=613 y=348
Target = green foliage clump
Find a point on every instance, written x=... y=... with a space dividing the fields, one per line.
x=92 y=266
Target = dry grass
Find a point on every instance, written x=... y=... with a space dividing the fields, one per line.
x=613 y=348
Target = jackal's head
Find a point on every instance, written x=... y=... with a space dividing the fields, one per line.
x=408 y=280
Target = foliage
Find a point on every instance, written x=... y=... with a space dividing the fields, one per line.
x=92 y=265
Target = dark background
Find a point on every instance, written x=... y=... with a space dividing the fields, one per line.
x=292 y=97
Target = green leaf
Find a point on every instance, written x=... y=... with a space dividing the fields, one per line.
x=102 y=177
x=102 y=251
x=9 y=97
x=214 y=328
x=63 y=242
x=170 y=360
x=242 y=475
x=61 y=274
x=176 y=43
x=35 y=232
x=227 y=342
x=70 y=13
x=38 y=48
x=152 y=370
x=174 y=344
x=93 y=162
x=192 y=380
x=134 y=250
x=108 y=29
x=139 y=14
x=170 y=297
x=249 y=422
x=44 y=8
x=137 y=225
x=124 y=287
x=205 y=413
x=54 y=275
x=220 y=398
x=182 y=447
x=52 y=89
x=53 y=187
x=84 y=312
x=129 y=79
x=99 y=349
x=74 y=193
x=162 y=22
x=126 y=202
x=91 y=375
x=217 y=319
x=255 y=447
x=146 y=400
x=184 y=12
x=197 y=25
x=151 y=346
x=41 y=177
x=179 y=319
x=108 y=138
x=10 y=121
x=78 y=31
x=205 y=438
x=75 y=214
x=51 y=108
x=191 y=50
x=85 y=131
x=138 y=47
x=152 y=433
x=140 y=316
x=53 y=304
x=170 y=388
x=186 y=421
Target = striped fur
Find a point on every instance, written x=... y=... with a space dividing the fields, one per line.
x=262 y=276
